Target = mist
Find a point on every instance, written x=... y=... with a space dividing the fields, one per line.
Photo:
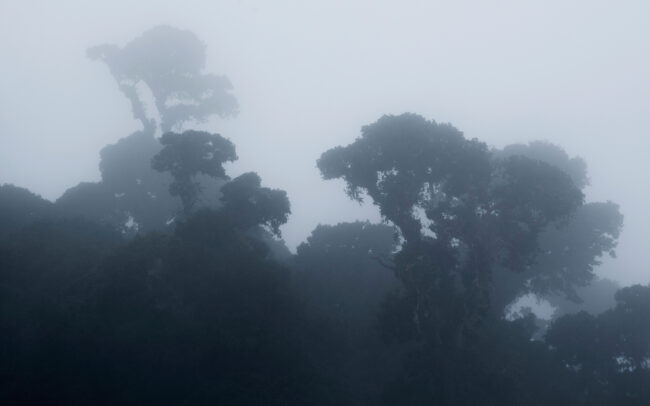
x=309 y=76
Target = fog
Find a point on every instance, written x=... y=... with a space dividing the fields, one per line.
x=324 y=203
x=308 y=75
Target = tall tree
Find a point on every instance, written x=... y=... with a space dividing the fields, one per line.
x=461 y=212
x=169 y=62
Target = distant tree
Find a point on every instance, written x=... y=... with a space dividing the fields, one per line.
x=569 y=253
x=137 y=189
x=569 y=250
x=573 y=250
x=19 y=208
x=552 y=154
x=461 y=213
x=249 y=204
x=132 y=197
x=93 y=201
x=189 y=154
x=169 y=61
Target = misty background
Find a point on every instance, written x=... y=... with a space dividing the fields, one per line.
x=308 y=75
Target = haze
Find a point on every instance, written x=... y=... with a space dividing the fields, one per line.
x=308 y=75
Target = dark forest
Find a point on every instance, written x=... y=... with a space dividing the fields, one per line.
x=168 y=282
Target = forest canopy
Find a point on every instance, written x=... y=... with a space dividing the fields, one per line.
x=168 y=282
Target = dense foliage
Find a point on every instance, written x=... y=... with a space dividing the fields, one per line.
x=167 y=282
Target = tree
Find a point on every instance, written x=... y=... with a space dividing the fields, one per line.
x=249 y=204
x=608 y=352
x=340 y=271
x=132 y=197
x=552 y=154
x=169 y=62
x=568 y=256
x=19 y=207
x=570 y=249
x=188 y=154
x=400 y=160
x=461 y=212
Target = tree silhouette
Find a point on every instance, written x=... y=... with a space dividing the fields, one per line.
x=479 y=213
x=608 y=352
x=570 y=249
x=189 y=154
x=249 y=204
x=132 y=197
x=169 y=62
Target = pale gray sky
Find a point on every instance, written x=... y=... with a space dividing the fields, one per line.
x=309 y=74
